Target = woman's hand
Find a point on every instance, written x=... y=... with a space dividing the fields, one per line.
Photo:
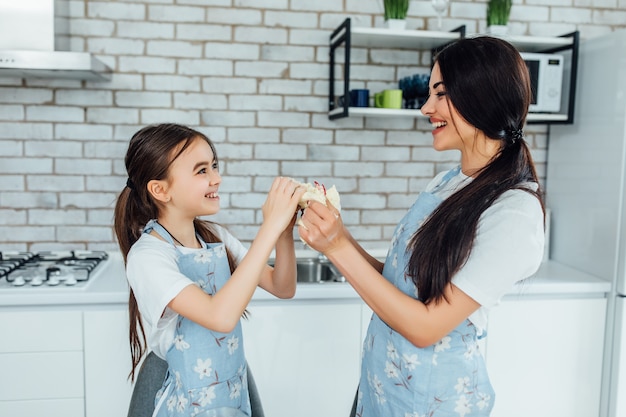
x=321 y=227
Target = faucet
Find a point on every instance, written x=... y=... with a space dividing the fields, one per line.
x=337 y=275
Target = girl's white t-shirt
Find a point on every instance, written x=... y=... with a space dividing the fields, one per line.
x=155 y=279
x=508 y=246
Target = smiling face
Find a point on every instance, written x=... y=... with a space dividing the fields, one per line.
x=193 y=181
x=450 y=130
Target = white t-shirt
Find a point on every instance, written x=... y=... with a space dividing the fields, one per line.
x=508 y=246
x=153 y=274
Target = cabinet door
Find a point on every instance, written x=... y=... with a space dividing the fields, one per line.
x=305 y=356
x=41 y=358
x=107 y=363
x=544 y=357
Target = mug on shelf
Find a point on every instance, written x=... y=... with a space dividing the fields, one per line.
x=359 y=97
x=389 y=99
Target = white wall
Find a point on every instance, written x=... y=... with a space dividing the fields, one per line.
x=252 y=74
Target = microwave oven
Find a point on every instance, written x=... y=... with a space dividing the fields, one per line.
x=546 y=80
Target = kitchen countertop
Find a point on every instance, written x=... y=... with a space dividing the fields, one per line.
x=108 y=287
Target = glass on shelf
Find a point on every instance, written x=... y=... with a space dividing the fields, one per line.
x=440 y=7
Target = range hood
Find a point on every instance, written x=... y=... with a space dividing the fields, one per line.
x=27 y=38
x=53 y=64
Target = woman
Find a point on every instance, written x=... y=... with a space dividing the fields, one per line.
x=475 y=231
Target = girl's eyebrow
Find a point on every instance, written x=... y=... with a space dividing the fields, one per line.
x=437 y=84
x=200 y=164
x=203 y=163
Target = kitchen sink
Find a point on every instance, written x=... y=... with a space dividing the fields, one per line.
x=316 y=270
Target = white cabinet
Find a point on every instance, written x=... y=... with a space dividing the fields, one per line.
x=305 y=355
x=107 y=363
x=41 y=358
x=544 y=356
x=64 y=363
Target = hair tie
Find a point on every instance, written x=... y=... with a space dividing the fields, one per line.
x=130 y=184
x=512 y=135
x=517 y=134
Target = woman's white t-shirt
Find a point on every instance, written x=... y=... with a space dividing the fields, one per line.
x=508 y=246
x=155 y=279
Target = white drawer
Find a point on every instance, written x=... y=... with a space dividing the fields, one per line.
x=33 y=376
x=41 y=331
x=48 y=408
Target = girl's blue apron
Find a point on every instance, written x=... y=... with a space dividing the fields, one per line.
x=399 y=379
x=206 y=369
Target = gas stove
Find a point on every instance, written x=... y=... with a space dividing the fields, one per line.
x=57 y=269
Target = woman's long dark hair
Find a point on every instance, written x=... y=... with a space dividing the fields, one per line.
x=488 y=83
x=150 y=153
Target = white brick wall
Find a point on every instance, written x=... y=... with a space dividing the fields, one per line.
x=251 y=74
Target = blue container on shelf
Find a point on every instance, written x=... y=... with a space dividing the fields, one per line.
x=414 y=90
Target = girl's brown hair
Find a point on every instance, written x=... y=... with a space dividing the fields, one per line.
x=150 y=153
x=488 y=83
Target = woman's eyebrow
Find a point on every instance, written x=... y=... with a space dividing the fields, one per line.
x=437 y=84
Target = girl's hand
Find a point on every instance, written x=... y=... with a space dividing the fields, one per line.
x=321 y=227
x=288 y=232
x=279 y=209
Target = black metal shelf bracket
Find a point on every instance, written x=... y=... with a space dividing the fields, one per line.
x=340 y=35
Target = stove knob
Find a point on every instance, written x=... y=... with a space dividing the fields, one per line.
x=36 y=281
x=70 y=281
x=19 y=282
x=52 y=281
x=52 y=271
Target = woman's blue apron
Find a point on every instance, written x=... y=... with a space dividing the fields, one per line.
x=448 y=378
x=206 y=369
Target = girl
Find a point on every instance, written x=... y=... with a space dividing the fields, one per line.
x=190 y=279
x=474 y=232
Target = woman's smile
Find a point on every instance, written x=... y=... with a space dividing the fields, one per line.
x=437 y=125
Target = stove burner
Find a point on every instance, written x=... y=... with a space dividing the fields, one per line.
x=29 y=269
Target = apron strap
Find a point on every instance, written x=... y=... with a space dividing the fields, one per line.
x=156 y=226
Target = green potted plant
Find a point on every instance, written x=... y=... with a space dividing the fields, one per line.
x=395 y=13
x=498 y=12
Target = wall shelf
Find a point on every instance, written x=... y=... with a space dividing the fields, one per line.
x=380 y=112
x=346 y=35
x=408 y=39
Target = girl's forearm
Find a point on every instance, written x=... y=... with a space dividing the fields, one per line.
x=233 y=298
x=283 y=283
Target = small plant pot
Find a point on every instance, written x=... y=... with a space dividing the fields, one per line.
x=395 y=24
x=498 y=30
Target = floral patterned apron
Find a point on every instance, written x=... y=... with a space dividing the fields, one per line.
x=206 y=369
x=399 y=379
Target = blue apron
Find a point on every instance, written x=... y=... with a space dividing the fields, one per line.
x=448 y=378
x=206 y=369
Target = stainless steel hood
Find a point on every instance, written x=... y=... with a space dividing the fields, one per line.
x=27 y=45
x=53 y=64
